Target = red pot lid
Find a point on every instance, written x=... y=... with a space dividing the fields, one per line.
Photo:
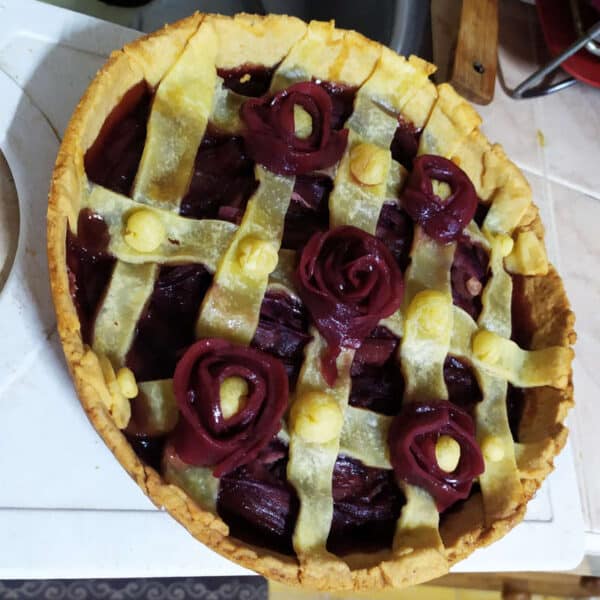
x=559 y=32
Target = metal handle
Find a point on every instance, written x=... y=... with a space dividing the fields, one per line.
x=530 y=87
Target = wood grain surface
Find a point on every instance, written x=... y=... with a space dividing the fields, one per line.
x=475 y=61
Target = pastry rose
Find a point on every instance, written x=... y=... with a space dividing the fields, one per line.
x=442 y=219
x=348 y=280
x=432 y=445
x=271 y=137
x=231 y=400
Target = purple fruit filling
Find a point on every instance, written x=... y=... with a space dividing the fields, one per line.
x=395 y=230
x=515 y=405
x=469 y=275
x=113 y=159
x=405 y=143
x=342 y=100
x=377 y=382
x=366 y=506
x=222 y=181
x=149 y=449
x=258 y=503
x=166 y=327
x=463 y=389
x=89 y=267
x=261 y=507
x=308 y=211
x=247 y=80
x=283 y=331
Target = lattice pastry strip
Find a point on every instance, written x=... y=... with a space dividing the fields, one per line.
x=155 y=58
x=180 y=111
x=497 y=182
x=366 y=173
x=329 y=54
x=474 y=233
x=451 y=120
x=250 y=40
x=495 y=314
x=226 y=108
x=351 y=202
x=379 y=132
x=116 y=322
x=188 y=240
x=427 y=318
x=198 y=482
x=374 y=120
x=456 y=125
x=528 y=256
x=417 y=528
x=398 y=86
x=492 y=420
x=232 y=305
x=418 y=106
x=176 y=125
x=311 y=462
x=523 y=368
x=364 y=437
x=370 y=200
x=158 y=396
x=511 y=193
x=427 y=327
x=491 y=412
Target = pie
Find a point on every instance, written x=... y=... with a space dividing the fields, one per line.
x=305 y=302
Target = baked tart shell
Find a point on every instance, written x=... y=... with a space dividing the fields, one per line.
x=462 y=532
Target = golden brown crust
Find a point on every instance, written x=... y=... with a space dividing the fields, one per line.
x=462 y=531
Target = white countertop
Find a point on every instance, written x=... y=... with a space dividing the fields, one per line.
x=67 y=504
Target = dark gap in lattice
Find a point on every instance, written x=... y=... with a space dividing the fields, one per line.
x=223 y=179
x=396 y=229
x=377 y=382
x=166 y=327
x=405 y=143
x=366 y=506
x=469 y=275
x=248 y=80
x=283 y=331
x=258 y=503
x=113 y=159
x=89 y=268
x=463 y=388
x=308 y=211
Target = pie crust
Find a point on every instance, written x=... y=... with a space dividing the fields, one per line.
x=542 y=433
